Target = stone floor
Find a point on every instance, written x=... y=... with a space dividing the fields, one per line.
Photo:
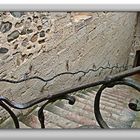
x=114 y=109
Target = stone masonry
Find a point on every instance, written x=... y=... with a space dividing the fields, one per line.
x=47 y=43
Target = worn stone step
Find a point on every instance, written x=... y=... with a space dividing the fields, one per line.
x=106 y=113
x=115 y=93
x=109 y=115
x=74 y=108
x=119 y=90
x=104 y=98
x=8 y=124
x=107 y=104
x=58 y=120
x=136 y=123
x=84 y=106
x=112 y=110
x=85 y=96
x=107 y=109
x=91 y=98
x=103 y=104
x=110 y=95
x=70 y=115
x=88 y=103
x=33 y=122
x=110 y=119
x=113 y=98
x=84 y=101
x=124 y=88
x=124 y=120
x=120 y=104
x=96 y=88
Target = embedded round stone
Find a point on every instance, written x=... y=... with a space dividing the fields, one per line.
x=42 y=34
x=39 y=27
x=14 y=35
x=5 y=26
x=34 y=38
x=3 y=50
x=23 y=32
x=25 y=42
x=18 y=24
x=29 y=31
x=45 y=21
x=35 y=18
x=17 y=14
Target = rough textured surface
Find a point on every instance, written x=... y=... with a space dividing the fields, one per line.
x=60 y=114
x=136 y=42
x=48 y=43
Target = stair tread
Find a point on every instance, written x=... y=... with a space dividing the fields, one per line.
x=70 y=115
x=58 y=120
x=78 y=110
x=8 y=124
x=33 y=122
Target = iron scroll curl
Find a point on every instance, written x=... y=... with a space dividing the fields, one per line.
x=133 y=103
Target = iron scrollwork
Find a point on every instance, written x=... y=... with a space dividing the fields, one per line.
x=109 y=81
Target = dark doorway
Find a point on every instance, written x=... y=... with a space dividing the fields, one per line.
x=137 y=59
x=137 y=63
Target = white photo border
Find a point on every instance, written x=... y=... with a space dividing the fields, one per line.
x=69 y=5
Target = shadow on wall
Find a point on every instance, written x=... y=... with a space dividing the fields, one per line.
x=137 y=59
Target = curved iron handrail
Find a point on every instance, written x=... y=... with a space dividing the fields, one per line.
x=133 y=104
x=109 y=81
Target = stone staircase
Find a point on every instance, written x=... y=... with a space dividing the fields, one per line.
x=60 y=114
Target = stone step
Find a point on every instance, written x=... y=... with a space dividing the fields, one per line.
x=104 y=98
x=70 y=115
x=136 y=123
x=121 y=89
x=90 y=108
x=110 y=112
x=117 y=94
x=105 y=112
x=124 y=88
x=84 y=101
x=76 y=109
x=104 y=105
x=111 y=97
x=118 y=88
x=84 y=106
x=33 y=122
x=9 y=124
x=58 y=120
x=107 y=104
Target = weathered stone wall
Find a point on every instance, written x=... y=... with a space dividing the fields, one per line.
x=47 y=43
x=136 y=43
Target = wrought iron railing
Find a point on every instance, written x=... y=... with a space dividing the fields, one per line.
x=109 y=81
